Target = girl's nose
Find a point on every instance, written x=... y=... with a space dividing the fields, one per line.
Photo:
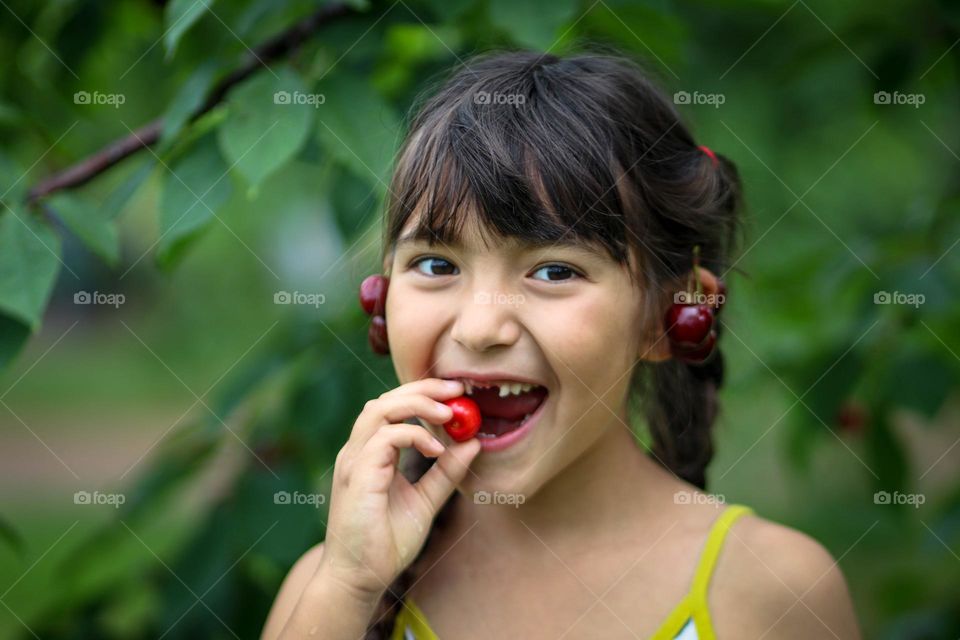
x=485 y=320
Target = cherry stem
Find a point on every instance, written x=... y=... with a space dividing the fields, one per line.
x=696 y=270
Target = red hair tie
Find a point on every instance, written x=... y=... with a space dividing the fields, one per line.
x=710 y=153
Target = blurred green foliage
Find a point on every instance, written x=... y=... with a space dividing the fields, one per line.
x=850 y=196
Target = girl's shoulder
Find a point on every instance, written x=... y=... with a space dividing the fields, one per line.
x=774 y=581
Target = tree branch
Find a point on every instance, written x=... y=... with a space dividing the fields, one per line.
x=275 y=48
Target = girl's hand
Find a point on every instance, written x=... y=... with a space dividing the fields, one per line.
x=378 y=520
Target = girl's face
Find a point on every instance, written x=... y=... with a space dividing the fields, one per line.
x=567 y=316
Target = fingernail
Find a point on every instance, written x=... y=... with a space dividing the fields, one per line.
x=437 y=445
x=453 y=384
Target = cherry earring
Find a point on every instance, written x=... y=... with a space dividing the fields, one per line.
x=373 y=299
x=690 y=321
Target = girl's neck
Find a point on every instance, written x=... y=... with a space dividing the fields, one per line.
x=613 y=483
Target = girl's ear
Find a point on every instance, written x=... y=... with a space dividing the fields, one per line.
x=657 y=348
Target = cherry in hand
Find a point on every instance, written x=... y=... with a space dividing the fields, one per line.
x=466 y=419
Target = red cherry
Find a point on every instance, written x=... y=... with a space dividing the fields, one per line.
x=698 y=354
x=377 y=335
x=466 y=419
x=373 y=294
x=689 y=325
x=852 y=417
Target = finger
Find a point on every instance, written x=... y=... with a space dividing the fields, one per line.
x=436 y=388
x=442 y=478
x=384 y=446
x=397 y=409
x=402 y=408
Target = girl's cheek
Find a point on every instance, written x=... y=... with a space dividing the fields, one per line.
x=590 y=346
x=409 y=331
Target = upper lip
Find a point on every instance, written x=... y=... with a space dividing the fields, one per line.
x=490 y=376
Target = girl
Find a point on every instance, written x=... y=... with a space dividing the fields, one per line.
x=544 y=216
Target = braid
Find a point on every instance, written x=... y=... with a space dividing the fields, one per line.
x=683 y=397
x=681 y=412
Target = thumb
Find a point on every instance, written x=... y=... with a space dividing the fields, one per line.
x=441 y=479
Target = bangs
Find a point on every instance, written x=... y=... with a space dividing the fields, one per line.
x=533 y=170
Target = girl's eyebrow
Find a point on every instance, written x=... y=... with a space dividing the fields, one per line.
x=538 y=244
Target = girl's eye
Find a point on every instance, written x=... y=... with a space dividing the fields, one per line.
x=557 y=272
x=444 y=266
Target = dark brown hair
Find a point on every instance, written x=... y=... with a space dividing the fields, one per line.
x=584 y=147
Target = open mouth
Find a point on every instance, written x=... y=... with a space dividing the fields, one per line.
x=504 y=404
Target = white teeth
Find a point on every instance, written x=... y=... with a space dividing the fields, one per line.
x=504 y=388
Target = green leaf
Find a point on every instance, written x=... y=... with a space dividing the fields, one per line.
x=91 y=224
x=12 y=182
x=919 y=381
x=29 y=261
x=10 y=116
x=886 y=455
x=197 y=185
x=448 y=10
x=179 y=16
x=536 y=23
x=13 y=335
x=189 y=98
x=358 y=128
x=351 y=200
x=654 y=32
x=268 y=121
x=829 y=380
x=118 y=199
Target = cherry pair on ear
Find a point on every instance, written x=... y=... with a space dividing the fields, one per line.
x=373 y=299
x=690 y=321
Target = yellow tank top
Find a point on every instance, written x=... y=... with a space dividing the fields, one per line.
x=689 y=620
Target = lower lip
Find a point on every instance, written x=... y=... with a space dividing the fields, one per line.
x=509 y=439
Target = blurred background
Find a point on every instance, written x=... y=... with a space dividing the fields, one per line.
x=192 y=194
